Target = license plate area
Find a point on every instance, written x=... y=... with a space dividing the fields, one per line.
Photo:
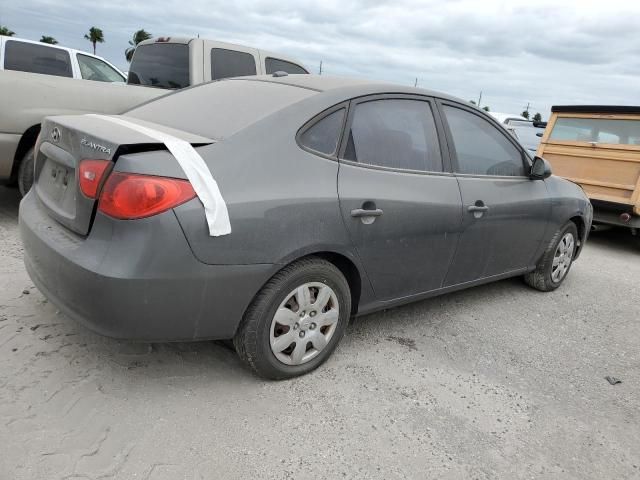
x=56 y=187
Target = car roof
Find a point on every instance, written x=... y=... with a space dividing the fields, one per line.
x=595 y=109
x=327 y=83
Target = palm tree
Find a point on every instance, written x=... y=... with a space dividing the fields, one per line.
x=94 y=36
x=49 y=40
x=139 y=36
x=6 y=32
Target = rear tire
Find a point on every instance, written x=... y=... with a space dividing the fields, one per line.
x=554 y=265
x=295 y=321
x=25 y=173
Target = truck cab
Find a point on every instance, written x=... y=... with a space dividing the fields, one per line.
x=175 y=62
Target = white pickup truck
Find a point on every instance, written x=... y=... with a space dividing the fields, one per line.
x=177 y=62
x=167 y=63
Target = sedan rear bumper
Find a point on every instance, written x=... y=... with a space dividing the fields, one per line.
x=135 y=280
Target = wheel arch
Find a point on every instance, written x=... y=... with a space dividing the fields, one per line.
x=27 y=141
x=581 y=226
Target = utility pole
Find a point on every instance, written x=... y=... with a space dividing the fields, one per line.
x=416 y=82
x=527 y=107
x=480 y=99
x=320 y=70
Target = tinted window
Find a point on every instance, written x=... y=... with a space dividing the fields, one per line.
x=481 y=148
x=231 y=63
x=95 y=69
x=277 y=65
x=395 y=134
x=323 y=136
x=30 y=57
x=602 y=130
x=164 y=65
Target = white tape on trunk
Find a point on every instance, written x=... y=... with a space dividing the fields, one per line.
x=196 y=170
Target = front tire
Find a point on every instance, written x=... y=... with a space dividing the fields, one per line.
x=295 y=321
x=554 y=265
x=25 y=173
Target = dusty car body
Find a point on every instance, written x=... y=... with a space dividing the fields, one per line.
x=344 y=197
x=598 y=147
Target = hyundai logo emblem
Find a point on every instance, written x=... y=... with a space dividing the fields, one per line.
x=55 y=134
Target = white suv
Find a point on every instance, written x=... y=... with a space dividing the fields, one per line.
x=36 y=57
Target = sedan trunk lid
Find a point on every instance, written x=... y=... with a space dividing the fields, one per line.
x=67 y=140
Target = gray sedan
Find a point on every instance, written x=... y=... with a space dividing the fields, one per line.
x=343 y=197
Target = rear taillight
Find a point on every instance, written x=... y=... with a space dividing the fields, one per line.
x=91 y=173
x=128 y=196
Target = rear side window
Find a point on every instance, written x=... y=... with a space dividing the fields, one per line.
x=600 y=130
x=395 y=134
x=231 y=63
x=482 y=149
x=92 y=68
x=30 y=57
x=323 y=136
x=164 y=65
x=277 y=65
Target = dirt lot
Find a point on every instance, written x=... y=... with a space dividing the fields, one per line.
x=496 y=382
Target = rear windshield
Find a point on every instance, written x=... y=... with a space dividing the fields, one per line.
x=600 y=130
x=163 y=65
x=221 y=108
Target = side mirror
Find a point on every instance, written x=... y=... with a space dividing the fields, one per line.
x=540 y=169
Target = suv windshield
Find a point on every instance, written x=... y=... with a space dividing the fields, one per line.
x=163 y=65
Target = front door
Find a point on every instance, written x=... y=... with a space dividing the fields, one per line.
x=402 y=210
x=504 y=212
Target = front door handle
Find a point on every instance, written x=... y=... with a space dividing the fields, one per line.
x=361 y=212
x=477 y=208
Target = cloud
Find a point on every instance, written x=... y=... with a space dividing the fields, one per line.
x=515 y=52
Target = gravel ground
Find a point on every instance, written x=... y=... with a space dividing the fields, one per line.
x=499 y=381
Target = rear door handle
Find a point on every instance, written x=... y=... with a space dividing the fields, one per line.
x=361 y=212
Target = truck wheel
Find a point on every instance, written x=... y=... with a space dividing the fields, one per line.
x=25 y=173
x=295 y=321
x=554 y=265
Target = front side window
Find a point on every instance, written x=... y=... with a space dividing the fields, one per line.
x=323 y=136
x=394 y=134
x=231 y=63
x=599 y=130
x=92 y=68
x=276 y=65
x=163 y=65
x=480 y=148
x=30 y=57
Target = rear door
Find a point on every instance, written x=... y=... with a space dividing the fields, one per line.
x=504 y=212
x=400 y=203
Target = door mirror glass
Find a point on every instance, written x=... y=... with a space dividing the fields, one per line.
x=540 y=169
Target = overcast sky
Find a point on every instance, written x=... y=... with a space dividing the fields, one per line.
x=542 y=52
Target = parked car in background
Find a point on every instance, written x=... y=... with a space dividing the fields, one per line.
x=35 y=57
x=344 y=197
x=177 y=62
x=505 y=118
x=598 y=147
x=29 y=97
x=528 y=133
